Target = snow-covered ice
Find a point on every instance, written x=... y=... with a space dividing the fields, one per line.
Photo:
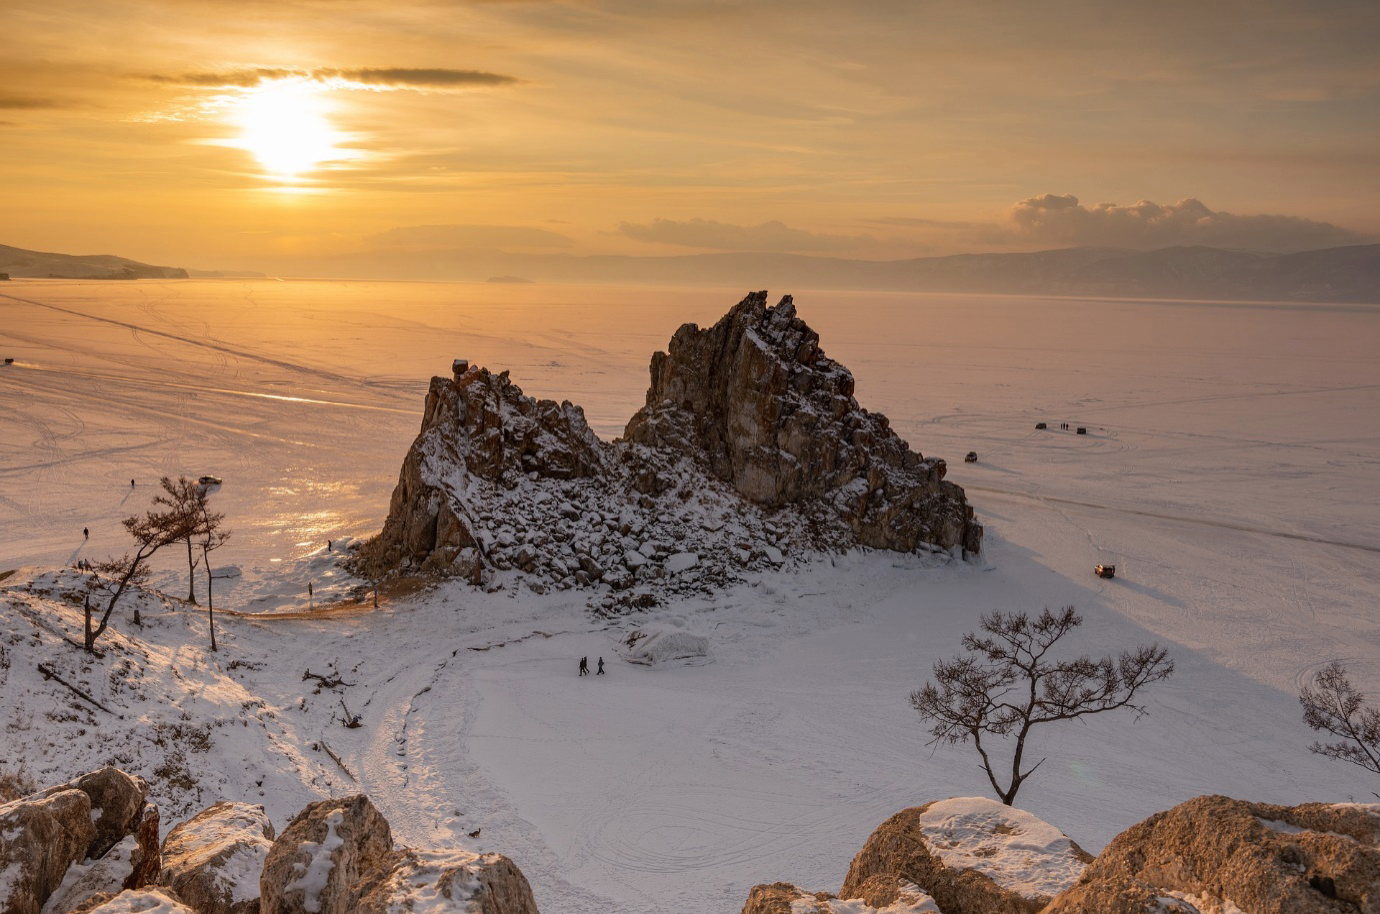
x=1231 y=471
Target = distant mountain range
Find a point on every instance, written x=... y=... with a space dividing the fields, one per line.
x=1345 y=274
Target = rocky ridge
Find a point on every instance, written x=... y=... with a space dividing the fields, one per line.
x=751 y=452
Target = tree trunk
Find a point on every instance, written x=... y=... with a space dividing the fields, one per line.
x=191 y=574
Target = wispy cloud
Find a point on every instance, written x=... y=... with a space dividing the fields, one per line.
x=488 y=236
x=27 y=103
x=377 y=78
x=771 y=236
x=1061 y=219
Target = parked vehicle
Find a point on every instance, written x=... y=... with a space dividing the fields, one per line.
x=1105 y=571
x=970 y=457
x=1040 y=425
x=209 y=481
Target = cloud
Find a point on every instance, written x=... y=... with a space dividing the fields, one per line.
x=23 y=103
x=433 y=236
x=377 y=78
x=1061 y=219
x=722 y=236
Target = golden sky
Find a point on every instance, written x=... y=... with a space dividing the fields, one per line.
x=209 y=134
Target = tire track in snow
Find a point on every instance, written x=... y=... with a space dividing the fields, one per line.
x=192 y=341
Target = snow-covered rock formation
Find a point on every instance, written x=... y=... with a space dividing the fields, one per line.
x=91 y=847
x=1215 y=854
x=1210 y=855
x=751 y=450
x=755 y=399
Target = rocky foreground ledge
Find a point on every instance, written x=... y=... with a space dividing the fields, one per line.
x=751 y=450
x=91 y=846
x=1210 y=855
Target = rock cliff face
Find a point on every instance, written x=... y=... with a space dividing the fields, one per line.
x=756 y=400
x=751 y=450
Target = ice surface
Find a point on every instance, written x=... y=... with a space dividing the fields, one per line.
x=1231 y=472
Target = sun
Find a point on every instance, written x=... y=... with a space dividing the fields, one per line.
x=285 y=124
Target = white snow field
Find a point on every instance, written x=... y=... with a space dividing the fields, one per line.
x=1230 y=470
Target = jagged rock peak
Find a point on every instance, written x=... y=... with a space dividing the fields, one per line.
x=751 y=448
x=758 y=402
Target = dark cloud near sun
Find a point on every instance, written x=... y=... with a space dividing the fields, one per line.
x=469 y=236
x=1057 y=219
x=424 y=78
x=771 y=236
x=27 y=103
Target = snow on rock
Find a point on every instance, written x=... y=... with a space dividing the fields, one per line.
x=755 y=399
x=318 y=862
x=1220 y=855
x=214 y=859
x=447 y=882
x=784 y=898
x=104 y=877
x=117 y=803
x=40 y=837
x=973 y=855
x=137 y=901
x=751 y=447
x=1020 y=852
x=651 y=645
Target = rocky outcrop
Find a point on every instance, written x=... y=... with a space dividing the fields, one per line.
x=117 y=806
x=784 y=898
x=96 y=834
x=327 y=851
x=759 y=403
x=335 y=857
x=40 y=837
x=750 y=451
x=1214 y=853
x=213 y=860
x=135 y=901
x=974 y=855
x=439 y=882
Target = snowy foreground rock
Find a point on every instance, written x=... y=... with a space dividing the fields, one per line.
x=750 y=451
x=91 y=847
x=1210 y=855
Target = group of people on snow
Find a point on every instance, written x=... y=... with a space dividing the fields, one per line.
x=584 y=666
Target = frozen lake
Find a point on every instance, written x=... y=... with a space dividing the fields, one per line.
x=1231 y=471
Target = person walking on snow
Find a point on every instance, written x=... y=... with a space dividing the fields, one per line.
x=584 y=666
x=601 y=667
x=86 y=533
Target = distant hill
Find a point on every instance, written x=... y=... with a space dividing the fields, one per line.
x=40 y=264
x=1347 y=274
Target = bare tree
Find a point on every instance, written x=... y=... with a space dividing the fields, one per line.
x=114 y=577
x=1007 y=685
x=185 y=499
x=212 y=538
x=1335 y=706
